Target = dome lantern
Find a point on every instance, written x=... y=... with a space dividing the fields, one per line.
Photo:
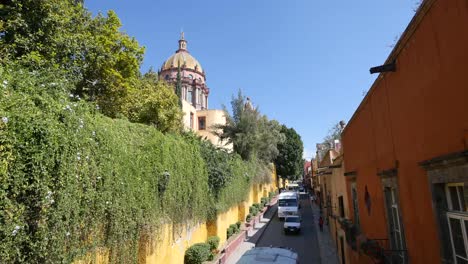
x=182 y=43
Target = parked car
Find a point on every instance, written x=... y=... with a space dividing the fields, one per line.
x=260 y=255
x=292 y=223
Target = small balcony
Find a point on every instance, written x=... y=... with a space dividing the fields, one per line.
x=380 y=251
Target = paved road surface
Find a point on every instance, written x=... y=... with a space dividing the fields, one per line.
x=305 y=244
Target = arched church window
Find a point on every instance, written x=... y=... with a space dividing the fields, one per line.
x=166 y=77
x=190 y=76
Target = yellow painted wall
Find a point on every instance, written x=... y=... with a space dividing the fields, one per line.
x=170 y=244
x=224 y=221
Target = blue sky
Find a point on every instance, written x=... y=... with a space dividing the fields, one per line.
x=304 y=63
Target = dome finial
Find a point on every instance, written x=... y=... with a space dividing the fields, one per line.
x=182 y=42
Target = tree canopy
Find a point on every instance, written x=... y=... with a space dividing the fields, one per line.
x=252 y=134
x=289 y=161
x=328 y=143
x=154 y=103
x=101 y=61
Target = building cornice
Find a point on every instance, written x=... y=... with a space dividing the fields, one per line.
x=447 y=160
x=174 y=69
x=399 y=46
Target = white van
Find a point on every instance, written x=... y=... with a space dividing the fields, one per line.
x=288 y=204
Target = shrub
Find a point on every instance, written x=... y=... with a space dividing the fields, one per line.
x=253 y=210
x=213 y=241
x=229 y=232
x=264 y=201
x=197 y=253
x=259 y=207
x=248 y=218
x=233 y=228
x=238 y=224
x=271 y=194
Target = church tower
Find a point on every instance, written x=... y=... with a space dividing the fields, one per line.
x=194 y=93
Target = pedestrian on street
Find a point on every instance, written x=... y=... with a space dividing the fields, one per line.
x=321 y=223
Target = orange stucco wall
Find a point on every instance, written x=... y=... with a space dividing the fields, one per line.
x=414 y=114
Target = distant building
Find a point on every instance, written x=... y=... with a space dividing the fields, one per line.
x=334 y=199
x=194 y=93
x=307 y=174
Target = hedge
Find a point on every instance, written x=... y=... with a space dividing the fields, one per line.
x=74 y=180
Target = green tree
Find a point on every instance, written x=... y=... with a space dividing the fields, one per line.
x=241 y=127
x=289 y=161
x=252 y=134
x=102 y=61
x=154 y=103
x=333 y=134
x=269 y=137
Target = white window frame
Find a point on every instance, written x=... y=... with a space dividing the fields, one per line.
x=461 y=216
x=449 y=196
x=395 y=214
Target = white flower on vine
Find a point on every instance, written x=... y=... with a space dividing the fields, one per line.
x=71 y=95
x=17 y=228
x=49 y=195
x=5 y=119
x=67 y=234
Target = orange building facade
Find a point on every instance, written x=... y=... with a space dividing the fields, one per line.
x=406 y=147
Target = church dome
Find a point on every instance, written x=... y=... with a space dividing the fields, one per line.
x=182 y=58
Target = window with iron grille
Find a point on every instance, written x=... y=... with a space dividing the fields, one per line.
x=457 y=216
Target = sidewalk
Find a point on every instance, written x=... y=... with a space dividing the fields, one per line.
x=327 y=248
x=253 y=235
